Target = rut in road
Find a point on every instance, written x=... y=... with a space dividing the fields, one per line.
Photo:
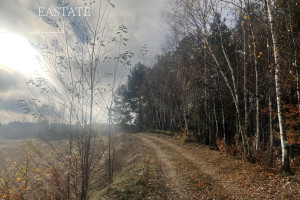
x=166 y=150
x=173 y=183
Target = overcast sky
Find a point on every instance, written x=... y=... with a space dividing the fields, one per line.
x=142 y=17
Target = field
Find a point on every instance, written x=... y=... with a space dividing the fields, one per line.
x=146 y=166
x=35 y=169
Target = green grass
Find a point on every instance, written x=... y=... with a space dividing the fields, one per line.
x=163 y=132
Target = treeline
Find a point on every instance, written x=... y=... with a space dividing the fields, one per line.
x=39 y=130
x=45 y=131
x=232 y=79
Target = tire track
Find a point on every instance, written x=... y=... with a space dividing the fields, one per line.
x=231 y=190
x=174 y=183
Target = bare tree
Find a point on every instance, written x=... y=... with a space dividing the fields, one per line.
x=85 y=65
x=285 y=167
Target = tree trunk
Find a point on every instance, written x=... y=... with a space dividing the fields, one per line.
x=271 y=136
x=205 y=95
x=209 y=129
x=140 y=114
x=298 y=83
x=216 y=120
x=285 y=166
x=246 y=120
x=236 y=100
x=223 y=120
x=185 y=120
x=70 y=148
x=110 y=168
x=257 y=120
x=234 y=94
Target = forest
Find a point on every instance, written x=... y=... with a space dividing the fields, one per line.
x=231 y=78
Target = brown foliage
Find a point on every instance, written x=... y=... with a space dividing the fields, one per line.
x=234 y=149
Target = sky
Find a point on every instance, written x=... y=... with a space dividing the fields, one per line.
x=21 y=26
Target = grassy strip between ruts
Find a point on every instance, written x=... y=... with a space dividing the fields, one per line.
x=139 y=181
x=141 y=178
x=200 y=185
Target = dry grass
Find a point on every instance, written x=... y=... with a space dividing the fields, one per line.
x=143 y=166
x=140 y=176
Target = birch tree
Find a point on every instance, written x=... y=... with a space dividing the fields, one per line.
x=285 y=166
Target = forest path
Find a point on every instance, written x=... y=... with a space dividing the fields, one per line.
x=176 y=187
x=192 y=171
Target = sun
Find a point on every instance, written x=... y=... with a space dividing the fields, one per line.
x=18 y=54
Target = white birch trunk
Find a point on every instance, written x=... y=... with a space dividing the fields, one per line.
x=271 y=142
x=246 y=120
x=285 y=166
x=257 y=133
x=236 y=96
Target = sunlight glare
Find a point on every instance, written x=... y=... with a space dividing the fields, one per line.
x=18 y=54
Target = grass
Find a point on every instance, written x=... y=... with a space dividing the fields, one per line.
x=157 y=131
x=138 y=181
x=140 y=177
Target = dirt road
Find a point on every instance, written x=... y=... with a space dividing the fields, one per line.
x=192 y=171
